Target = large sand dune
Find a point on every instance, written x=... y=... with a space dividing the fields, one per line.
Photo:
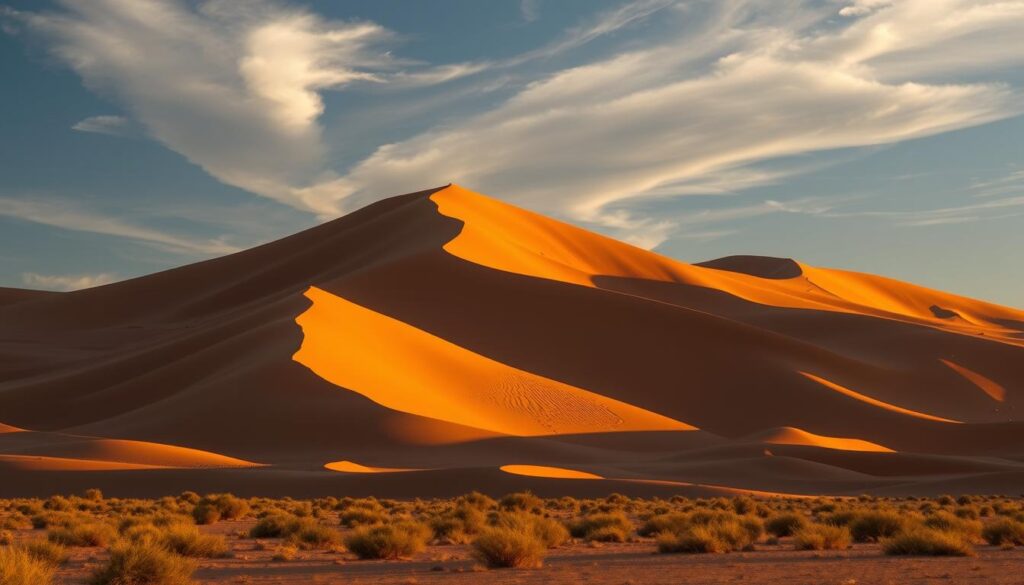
x=443 y=341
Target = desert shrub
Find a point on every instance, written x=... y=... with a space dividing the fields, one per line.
x=45 y=551
x=928 y=541
x=613 y=526
x=189 y=497
x=947 y=522
x=284 y=553
x=274 y=526
x=551 y=532
x=695 y=539
x=57 y=503
x=822 y=537
x=477 y=500
x=93 y=494
x=459 y=525
x=753 y=526
x=875 y=525
x=6 y=537
x=388 y=541
x=500 y=547
x=135 y=563
x=785 y=524
x=1003 y=532
x=205 y=513
x=521 y=501
x=18 y=567
x=187 y=541
x=315 y=535
x=91 y=534
x=672 y=522
x=359 y=516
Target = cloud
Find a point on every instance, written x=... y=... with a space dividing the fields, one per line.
x=110 y=125
x=66 y=282
x=530 y=9
x=64 y=215
x=235 y=87
x=591 y=139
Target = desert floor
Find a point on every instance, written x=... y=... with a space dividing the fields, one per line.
x=614 y=564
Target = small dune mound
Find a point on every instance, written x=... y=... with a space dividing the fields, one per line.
x=54 y=451
x=353 y=467
x=545 y=471
x=795 y=436
x=8 y=429
x=759 y=266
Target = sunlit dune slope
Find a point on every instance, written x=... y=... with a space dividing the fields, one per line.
x=409 y=370
x=546 y=471
x=508 y=238
x=456 y=342
x=794 y=436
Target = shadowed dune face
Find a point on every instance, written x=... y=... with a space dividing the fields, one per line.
x=443 y=334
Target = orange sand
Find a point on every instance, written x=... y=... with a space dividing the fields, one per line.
x=994 y=390
x=794 y=436
x=544 y=471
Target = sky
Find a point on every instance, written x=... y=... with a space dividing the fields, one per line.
x=881 y=136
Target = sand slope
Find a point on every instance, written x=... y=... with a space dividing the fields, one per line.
x=471 y=344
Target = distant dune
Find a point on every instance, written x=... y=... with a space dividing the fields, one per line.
x=443 y=341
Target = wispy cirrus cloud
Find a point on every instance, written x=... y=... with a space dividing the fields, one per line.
x=67 y=215
x=110 y=125
x=66 y=282
x=753 y=84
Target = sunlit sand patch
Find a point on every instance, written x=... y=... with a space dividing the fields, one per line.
x=795 y=436
x=56 y=450
x=9 y=429
x=40 y=463
x=994 y=390
x=874 y=402
x=353 y=467
x=409 y=370
x=504 y=237
x=545 y=471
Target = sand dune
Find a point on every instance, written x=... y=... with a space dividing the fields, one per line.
x=793 y=436
x=444 y=334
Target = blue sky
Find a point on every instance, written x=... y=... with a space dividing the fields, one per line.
x=872 y=135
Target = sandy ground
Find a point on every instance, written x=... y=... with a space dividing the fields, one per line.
x=634 y=563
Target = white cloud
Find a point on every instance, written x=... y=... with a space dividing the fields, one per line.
x=235 y=87
x=65 y=215
x=66 y=282
x=111 y=125
x=760 y=84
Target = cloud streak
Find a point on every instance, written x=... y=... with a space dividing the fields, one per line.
x=65 y=215
x=66 y=282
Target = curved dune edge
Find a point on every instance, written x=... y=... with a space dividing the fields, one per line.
x=98 y=452
x=545 y=471
x=875 y=402
x=503 y=237
x=353 y=467
x=43 y=463
x=994 y=390
x=795 y=436
x=9 y=429
x=359 y=349
x=726 y=489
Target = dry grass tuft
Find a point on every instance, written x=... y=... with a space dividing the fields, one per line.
x=505 y=547
x=388 y=541
x=18 y=567
x=138 y=563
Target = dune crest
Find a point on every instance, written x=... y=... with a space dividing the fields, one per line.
x=873 y=401
x=353 y=467
x=409 y=370
x=545 y=471
x=993 y=389
x=795 y=436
